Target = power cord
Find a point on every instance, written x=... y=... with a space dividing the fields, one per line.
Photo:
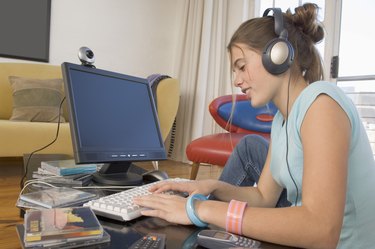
x=22 y=182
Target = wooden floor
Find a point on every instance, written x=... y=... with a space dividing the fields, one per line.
x=10 y=175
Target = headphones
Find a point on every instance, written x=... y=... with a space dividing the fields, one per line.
x=278 y=54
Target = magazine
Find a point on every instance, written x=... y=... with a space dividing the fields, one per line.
x=60 y=225
x=68 y=167
x=57 y=197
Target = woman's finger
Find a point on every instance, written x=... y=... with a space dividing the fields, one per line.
x=155 y=201
x=166 y=186
x=154 y=213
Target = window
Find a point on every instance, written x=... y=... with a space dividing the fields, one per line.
x=356 y=67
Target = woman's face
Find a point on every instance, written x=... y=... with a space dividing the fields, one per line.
x=250 y=75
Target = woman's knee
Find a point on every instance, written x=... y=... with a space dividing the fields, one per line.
x=252 y=142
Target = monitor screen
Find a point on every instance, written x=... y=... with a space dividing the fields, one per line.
x=113 y=120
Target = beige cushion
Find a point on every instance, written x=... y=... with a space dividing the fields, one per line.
x=36 y=100
x=19 y=138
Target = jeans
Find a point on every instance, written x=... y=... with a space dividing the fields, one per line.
x=246 y=162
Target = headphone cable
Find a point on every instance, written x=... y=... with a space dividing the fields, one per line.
x=287 y=143
x=42 y=148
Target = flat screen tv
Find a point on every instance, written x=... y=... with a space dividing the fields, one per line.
x=25 y=29
x=113 y=120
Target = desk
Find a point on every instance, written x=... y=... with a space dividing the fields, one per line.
x=123 y=234
x=178 y=236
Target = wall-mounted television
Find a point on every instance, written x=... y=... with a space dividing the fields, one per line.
x=25 y=29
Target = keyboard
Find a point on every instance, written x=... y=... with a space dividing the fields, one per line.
x=120 y=206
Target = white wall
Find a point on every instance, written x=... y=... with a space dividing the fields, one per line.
x=137 y=37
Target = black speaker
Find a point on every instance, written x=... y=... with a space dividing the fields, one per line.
x=278 y=54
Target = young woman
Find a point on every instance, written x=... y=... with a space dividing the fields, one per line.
x=319 y=151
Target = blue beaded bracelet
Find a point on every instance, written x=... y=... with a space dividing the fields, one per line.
x=191 y=211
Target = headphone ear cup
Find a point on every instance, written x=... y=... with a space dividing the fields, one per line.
x=277 y=56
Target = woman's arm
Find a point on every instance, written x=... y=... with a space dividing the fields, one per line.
x=317 y=223
x=266 y=194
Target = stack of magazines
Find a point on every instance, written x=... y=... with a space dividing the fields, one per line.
x=65 y=173
x=62 y=228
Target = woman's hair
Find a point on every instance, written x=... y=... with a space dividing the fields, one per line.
x=304 y=31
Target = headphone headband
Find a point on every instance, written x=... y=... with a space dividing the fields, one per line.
x=279 y=22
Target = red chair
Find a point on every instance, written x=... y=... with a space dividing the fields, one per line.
x=215 y=149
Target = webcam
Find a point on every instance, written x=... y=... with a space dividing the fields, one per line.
x=86 y=56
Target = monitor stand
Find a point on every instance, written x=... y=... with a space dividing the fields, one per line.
x=116 y=174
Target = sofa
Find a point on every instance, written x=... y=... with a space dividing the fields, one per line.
x=19 y=137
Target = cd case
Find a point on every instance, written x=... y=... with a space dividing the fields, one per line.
x=60 y=225
x=68 y=167
x=57 y=197
x=96 y=243
x=77 y=180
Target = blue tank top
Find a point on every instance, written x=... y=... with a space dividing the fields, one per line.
x=358 y=230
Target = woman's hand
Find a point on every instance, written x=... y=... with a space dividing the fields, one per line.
x=204 y=187
x=172 y=207
x=168 y=207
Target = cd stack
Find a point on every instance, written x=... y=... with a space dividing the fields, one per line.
x=66 y=173
x=54 y=198
x=61 y=228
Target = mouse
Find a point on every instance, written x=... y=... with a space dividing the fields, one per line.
x=155 y=175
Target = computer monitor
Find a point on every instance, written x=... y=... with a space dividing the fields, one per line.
x=113 y=120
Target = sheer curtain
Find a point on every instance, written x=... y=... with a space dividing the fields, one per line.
x=202 y=65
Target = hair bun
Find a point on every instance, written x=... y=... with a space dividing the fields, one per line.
x=305 y=19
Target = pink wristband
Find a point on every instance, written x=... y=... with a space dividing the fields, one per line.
x=235 y=213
